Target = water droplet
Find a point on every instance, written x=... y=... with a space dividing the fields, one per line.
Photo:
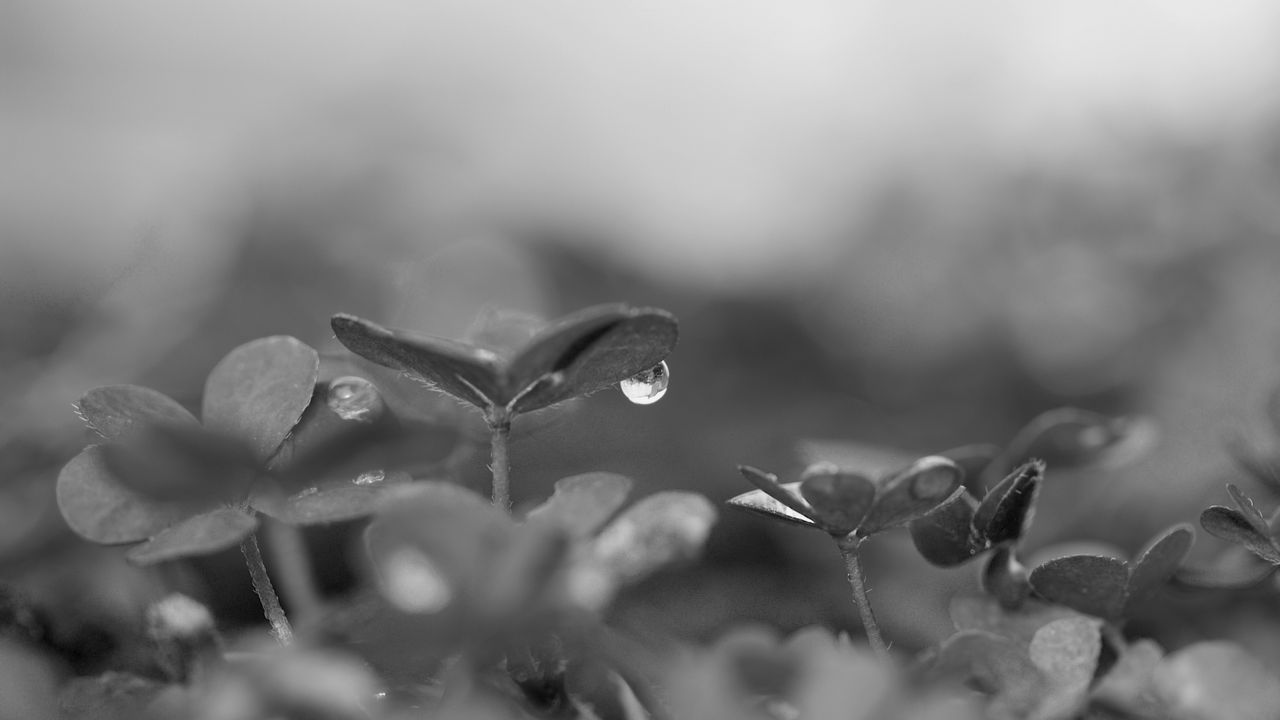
x=355 y=399
x=413 y=583
x=307 y=492
x=647 y=387
x=370 y=477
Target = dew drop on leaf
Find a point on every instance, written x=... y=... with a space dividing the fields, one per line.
x=306 y=492
x=413 y=583
x=647 y=387
x=355 y=399
x=370 y=477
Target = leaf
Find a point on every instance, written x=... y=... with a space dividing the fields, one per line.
x=1212 y=680
x=466 y=372
x=756 y=501
x=1250 y=511
x=601 y=354
x=259 y=391
x=199 y=535
x=1091 y=584
x=974 y=461
x=1020 y=624
x=180 y=462
x=582 y=504
x=99 y=508
x=996 y=666
x=1232 y=526
x=1159 y=561
x=911 y=493
x=1073 y=438
x=661 y=529
x=520 y=576
x=337 y=500
x=1066 y=651
x=115 y=411
x=839 y=500
x=1005 y=579
x=1006 y=511
x=788 y=494
x=944 y=537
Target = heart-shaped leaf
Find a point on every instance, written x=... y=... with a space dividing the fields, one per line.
x=944 y=537
x=1159 y=561
x=912 y=493
x=661 y=529
x=1248 y=510
x=115 y=411
x=1005 y=579
x=99 y=508
x=1006 y=511
x=1066 y=652
x=468 y=373
x=334 y=499
x=1233 y=526
x=839 y=500
x=199 y=535
x=582 y=504
x=1091 y=584
x=1072 y=438
x=590 y=350
x=259 y=391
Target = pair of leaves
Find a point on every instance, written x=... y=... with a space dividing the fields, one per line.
x=1109 y=588
x=573 y=356
x=843 y=502
x=441 y=550
x=963 y=527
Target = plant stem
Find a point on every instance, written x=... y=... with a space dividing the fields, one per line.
x=500 y=426
x=849 y=549
x=265 y=590
x=288 y=550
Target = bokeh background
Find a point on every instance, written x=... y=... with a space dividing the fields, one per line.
x=911 y=224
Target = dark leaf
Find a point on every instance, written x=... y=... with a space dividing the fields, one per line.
x=588 y=353
x=116 y=410
x=1066 y=652
x=199 y=535
x=1250 y=511
x=839 y=500
x=180 y=462
x=1006 y=511
x=1005 y=579
x=1159 y=560
x=332 y=500
x=1072 y=438
x=258 y=392
x=1231 y=525
x=788 y=495
x=582 y=504
x=944 y=537
x=661 y=529
x=466 y=372
x=98 y=507
x=1091 y=584
x=912 y=493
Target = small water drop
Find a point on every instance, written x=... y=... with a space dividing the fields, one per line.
x=413 y=583
x=370 y=477
x=355 y=399
x=307 y=492
x=647 y=387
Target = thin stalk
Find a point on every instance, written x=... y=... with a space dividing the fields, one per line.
x=288 y=550
x=499 y=465
x=849 y=550
x=265 y=590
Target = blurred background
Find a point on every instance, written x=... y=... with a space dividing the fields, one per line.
x=912 y=224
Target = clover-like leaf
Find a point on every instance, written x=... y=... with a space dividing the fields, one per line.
x=98 y=507
x=1066 y=652
x=333 y=499
x=663 y=528
x=1092 y=584
x=911 y=493
x=582 y=504
x=1006 y=510
x=198 y=535
x=945 y=536
x=1158 y=561
x=1232 y=525
x=839 y=500
x=259 y=391
x=115 y=411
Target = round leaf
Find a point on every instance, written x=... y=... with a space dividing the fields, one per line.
x=115 y=411
x=661 y=529
x=1159 y=560
x=1066 y=651
x=1231 y=525
x=463 y=371
x=912 y=493
x=259 y=391
x=944 y=537
x=839 y=500
x=582 y=504
x=1091 y=584
x=200 y=535
x=1006 y=511
x=99 y=508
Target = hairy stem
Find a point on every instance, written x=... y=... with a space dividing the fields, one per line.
x=288 y=550
x=500 y=426
x=849 y=549
x=265 y=590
